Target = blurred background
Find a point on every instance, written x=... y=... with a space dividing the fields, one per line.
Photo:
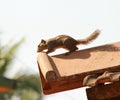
x=23 y=23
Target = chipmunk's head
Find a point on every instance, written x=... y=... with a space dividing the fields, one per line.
x=42 y=46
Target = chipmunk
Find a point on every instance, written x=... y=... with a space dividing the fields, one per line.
x=66 y=42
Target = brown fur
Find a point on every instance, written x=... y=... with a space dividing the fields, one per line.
x=65 y=41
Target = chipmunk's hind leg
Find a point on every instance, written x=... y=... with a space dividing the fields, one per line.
x=70 y=46
x=71 y=50
x=74 y=48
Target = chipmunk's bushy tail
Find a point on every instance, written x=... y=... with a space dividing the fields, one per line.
x=90 y=38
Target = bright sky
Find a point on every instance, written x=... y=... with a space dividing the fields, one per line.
x=37 y=19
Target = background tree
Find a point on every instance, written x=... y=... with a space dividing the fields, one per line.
x=24 y=87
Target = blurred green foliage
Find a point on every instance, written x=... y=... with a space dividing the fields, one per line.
x=25 y=87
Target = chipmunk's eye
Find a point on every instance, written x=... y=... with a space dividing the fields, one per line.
x=38 y=45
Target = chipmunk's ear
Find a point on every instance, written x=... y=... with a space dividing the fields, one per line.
x=43 y=41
